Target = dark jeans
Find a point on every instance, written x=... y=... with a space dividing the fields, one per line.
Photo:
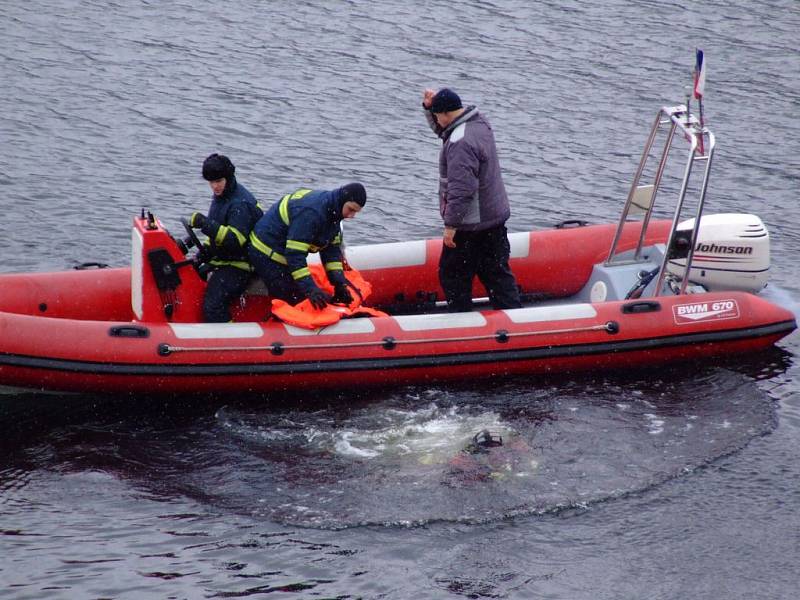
x=224 y=285
x=276 y=277
x=482 y=253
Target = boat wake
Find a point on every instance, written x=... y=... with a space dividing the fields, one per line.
x=411 y=459
x=404 y=458
x=782 y=297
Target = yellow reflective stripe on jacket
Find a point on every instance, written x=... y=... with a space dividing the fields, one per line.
x=337 y=240
x=221 y=233
x=334 y=266
x=224 y=230
x=239 y=264
x=295 y=245
x=300 y=273
x=262 y=247
x=283 y=209
x=239 y=235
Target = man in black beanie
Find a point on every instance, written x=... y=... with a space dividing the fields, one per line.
x=231 y=217
x=299 y=223
x=473 y=204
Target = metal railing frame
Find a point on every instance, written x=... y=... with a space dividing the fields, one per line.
x=678 y=119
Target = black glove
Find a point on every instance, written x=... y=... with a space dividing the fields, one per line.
x=341 y=295
x=198 y=220
x=319 y=299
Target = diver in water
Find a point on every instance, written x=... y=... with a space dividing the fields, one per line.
x=489 y=456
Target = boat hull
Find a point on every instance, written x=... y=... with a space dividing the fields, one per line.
x=126 y=330
x=271 y=356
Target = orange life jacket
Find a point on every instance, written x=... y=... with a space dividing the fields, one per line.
x=303 y=314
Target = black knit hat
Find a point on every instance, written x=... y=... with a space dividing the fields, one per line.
x=445 y=100
x=217 y=166
x=353 y=192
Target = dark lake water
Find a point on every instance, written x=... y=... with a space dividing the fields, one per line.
x=667 y=483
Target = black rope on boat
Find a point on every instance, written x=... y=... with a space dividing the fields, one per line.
x=388 y=342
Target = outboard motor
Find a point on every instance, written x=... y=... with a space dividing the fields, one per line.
x=732 y=253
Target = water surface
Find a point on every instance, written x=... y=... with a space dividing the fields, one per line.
x=659 y=484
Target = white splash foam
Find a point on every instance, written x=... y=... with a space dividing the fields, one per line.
x=656 y=425
x=782 y=297
x=421 y=433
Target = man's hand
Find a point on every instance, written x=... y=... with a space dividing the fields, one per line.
x=449 y=237
x=341 y=294
x=427 y=98
x=319 y=299
x=197 y=220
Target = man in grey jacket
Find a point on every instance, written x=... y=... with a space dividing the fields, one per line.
x=473 y=204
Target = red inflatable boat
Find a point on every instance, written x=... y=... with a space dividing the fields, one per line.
x=597 y=297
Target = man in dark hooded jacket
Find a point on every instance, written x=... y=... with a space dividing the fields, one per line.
x=231 y=217
x=302 y=222
x=473 y=204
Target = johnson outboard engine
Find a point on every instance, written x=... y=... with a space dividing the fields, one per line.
x=731 y=253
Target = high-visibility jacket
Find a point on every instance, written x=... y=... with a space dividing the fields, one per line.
x=230 y=221
x=299 y=223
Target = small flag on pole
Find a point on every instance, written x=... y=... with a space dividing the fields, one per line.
x=699 y=76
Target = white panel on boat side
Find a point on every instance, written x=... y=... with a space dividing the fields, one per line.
x=344 y=326
x=137 y=282
x=382 y=256
x=520 y=244
x=446 y=321
x=218 y=331
x=537 y=314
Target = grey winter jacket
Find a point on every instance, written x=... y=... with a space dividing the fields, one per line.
x=472 y=196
